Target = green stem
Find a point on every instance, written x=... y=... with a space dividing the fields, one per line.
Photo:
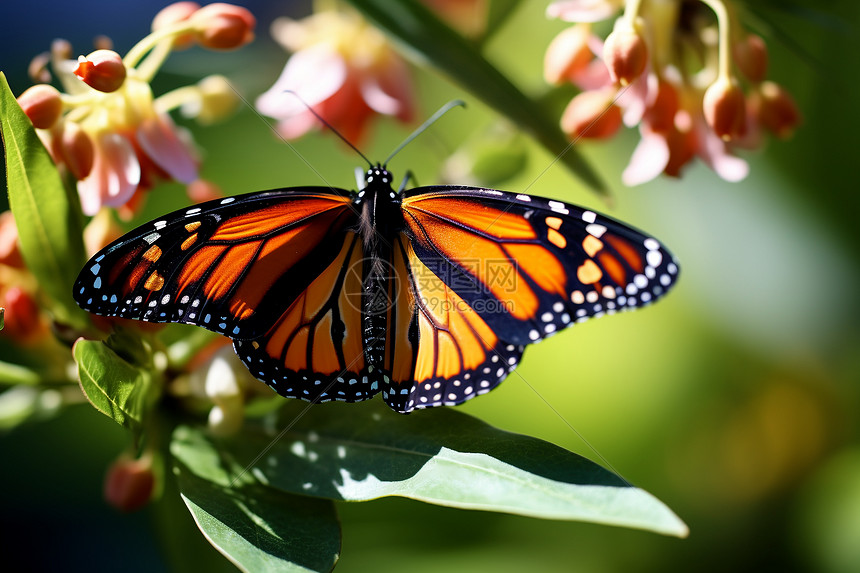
x=150 y=42
x=724 y=25
x=15 y=374
x=176 y=98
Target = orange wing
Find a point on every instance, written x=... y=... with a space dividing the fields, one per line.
x=230 y=265
x=279 y=272
x=314 y=350
x=440 y=351
x=533 y=266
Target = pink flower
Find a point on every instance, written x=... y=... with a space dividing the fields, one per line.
x=705 y=113
x=343 y=69
x=111 y=134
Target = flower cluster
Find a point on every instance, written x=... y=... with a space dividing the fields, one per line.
x=343 y=69
x=107 y=130
x=685 y=72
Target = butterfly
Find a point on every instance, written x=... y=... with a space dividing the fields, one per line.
x=428 y=295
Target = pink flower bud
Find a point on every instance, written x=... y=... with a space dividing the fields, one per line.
x=724 y=106
x=102 y=70
x=10 y=252
x=23 y=322
x=775 y=109
x=77 y=151
x=173 y=13
x=751 y=58
x=129 y=484
x=42 y=104
x=201 y=190
x=591 y=115
x=567 y=55
x=625 y=54
x=222 y=26
x=38 y=68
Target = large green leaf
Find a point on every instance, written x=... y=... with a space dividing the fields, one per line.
x=49 y=222
x=258 y=528
x=428 y=39
x=115 y=387
x=359 y=452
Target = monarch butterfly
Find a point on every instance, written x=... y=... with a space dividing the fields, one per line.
x=428 y=295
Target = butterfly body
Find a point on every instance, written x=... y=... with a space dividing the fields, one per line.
x=380 y=220
x=427 y=296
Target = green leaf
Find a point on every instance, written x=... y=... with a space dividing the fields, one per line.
x=428 y=39
x=115 y=387
x=256 y=527
x=48 y=219
x=359 y=452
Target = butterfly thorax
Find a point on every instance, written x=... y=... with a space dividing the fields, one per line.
x=381 y=219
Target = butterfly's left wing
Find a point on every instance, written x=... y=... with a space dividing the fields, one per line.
x=229 y=265
x=278 y=271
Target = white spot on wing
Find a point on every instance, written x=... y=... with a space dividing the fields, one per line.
x=558 y=207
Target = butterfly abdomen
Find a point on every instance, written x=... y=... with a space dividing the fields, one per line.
x=380 y=220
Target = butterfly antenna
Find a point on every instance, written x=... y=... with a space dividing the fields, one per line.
x=430 y=121
x=330 y=126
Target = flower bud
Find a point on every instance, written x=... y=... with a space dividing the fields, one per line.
x=61 y=49
x=216 y=100
x=77 y=150
x=23 y=322
x=10 y=251
x=567 y=55
x=222 y=26
x=173 y=13
x=775 y=109
x=201 y=190
x=129 y=484
x=223 y=387
x=591 y=115
x=38 y=68
x=42 y=104
x=102 y=70
x=625 y=54
x=221 y=380
x=724 y=106
x=751 y=57
x=102 y=42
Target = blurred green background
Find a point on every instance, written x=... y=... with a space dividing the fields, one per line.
x=733 y=400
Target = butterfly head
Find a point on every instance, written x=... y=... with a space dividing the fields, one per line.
x=378 y=175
